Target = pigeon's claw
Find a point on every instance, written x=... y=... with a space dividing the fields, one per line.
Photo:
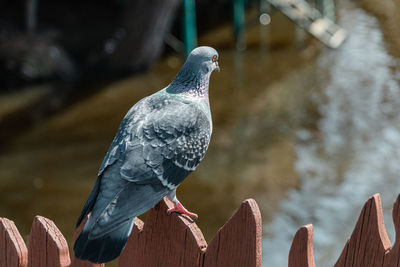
x=179 y=208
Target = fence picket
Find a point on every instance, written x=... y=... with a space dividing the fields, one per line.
x=47 y=246
x=164 y=240
x=238 y=242
x=392 y=258
x=177 y=241
x=13 y=251
x=369 y=242
x=301 y=252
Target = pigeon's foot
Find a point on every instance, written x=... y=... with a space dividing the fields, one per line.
x=179 y=208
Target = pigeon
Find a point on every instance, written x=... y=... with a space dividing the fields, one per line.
x=160 y=141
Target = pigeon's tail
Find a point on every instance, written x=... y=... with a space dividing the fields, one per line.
x=104 y=248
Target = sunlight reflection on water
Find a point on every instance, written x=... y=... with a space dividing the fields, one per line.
x=358 y=154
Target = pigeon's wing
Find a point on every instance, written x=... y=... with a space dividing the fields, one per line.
x=117 y=148
x=173 y=140
x=129 y=124
x=158 y=154
x=120 y=201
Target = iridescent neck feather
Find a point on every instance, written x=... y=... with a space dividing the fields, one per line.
x=190 y=82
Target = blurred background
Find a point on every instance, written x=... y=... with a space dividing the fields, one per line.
x=306 y=124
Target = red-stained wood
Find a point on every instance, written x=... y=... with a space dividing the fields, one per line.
x=173 y=240
x=77 y=262
x=301 y=252
x=47 y=246
x=369 y=242
x=392 y=258
x=176 y=241
x=13 y=251
x=238 y=242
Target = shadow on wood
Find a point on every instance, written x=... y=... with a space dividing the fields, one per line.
x=179 y=242
x=176 y=239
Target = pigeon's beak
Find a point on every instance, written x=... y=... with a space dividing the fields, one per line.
x=216 y=66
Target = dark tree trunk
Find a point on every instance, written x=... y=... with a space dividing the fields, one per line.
x=146 y=25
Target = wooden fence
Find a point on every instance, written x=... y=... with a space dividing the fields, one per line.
x=368 y=246
x=177 y=241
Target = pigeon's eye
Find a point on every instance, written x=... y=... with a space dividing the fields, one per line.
x=214 y=58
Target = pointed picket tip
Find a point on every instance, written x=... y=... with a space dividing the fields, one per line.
x=176 y=238
x=238 y=242
x=47 y=246
x=369 y=242
x=301 y=252
x=13 y=251
x=393 y=257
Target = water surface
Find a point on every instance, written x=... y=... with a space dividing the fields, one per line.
x=355 y=151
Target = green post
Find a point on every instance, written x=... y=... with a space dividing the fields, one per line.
x=239 y=23
x=189 y=26
x=31 y=15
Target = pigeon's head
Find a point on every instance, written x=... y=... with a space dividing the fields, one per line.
x=194 y=76
x=203 y=59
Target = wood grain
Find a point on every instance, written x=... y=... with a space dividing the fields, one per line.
x=369 y=242
x=392 y=258
x=238 y=242
x=173 y=240
x=301 y=252
x=13 y=251
x=47 y=246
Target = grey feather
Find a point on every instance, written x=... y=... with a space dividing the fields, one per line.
x=159 y=142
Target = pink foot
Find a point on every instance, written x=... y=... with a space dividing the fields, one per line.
x=179 y=208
